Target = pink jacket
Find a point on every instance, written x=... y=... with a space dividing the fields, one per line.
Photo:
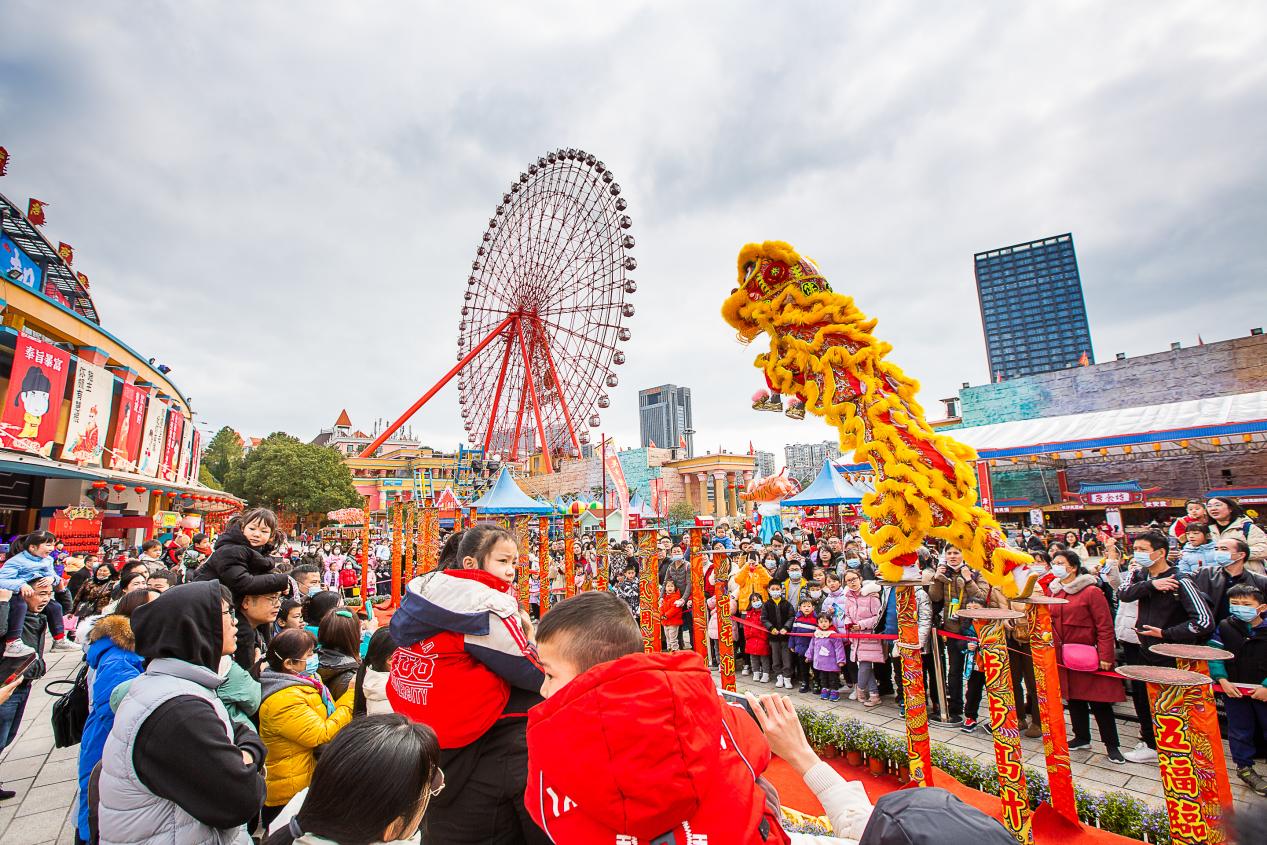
x=862 y=612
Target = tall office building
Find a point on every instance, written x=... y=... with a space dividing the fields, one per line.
x=1032 y=308
x=804 y=460
x=664 y=417
x=765 y=463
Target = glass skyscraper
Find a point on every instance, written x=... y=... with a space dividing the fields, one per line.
x=1032 y=308
x=664 y=417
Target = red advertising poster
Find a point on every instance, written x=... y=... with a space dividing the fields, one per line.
x=195 y=463
x=985 y=488
x=33 y=403
x=125 y=450
x=171 y=444
x=617 y=473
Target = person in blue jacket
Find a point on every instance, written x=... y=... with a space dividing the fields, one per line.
x=112 y=661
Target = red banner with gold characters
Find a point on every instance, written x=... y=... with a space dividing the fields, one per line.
x=569 y=556
x=699 y=608
x=1180 y=781
x=1047 y=685
x=125 y=448
x=543 y=563
x=66 y=252
x=35 y=212
x=83 y=279
x=519 y=527
x=4 y=161
x=648 y=592
x=919 y=753
x=33 y=403
x=1013 y=794
x=725 y=628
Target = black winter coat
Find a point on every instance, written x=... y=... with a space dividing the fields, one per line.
x=1249 y=666
x=1183 y=615
x=778 y=615
x=240 y=567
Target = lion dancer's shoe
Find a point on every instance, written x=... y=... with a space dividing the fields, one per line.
x=795 y=410
x=764 y=400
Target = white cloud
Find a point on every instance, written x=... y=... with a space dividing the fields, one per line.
x=281 y=200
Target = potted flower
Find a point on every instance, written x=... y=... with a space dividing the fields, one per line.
x=849 y=742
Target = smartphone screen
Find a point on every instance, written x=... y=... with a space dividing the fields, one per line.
x=737 y=700
x=11 y=667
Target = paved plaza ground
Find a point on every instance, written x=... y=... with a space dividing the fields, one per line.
x=45 y=777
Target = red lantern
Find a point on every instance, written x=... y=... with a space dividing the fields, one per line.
x=119 y=488
x=139 y=489
x=99 y=485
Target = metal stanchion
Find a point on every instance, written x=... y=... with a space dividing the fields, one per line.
x=1013 y=794
x=648 y=592
x=1177 y=744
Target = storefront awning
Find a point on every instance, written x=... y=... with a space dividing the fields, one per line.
x=20 y=463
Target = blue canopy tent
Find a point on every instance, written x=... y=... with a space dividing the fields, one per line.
x=827 y=489
x=505 y=497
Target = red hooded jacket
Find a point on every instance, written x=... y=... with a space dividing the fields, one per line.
x=643 y=747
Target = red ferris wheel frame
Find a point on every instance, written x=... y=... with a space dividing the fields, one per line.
x=539 y=329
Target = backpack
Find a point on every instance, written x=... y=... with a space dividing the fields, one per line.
x=70 y=710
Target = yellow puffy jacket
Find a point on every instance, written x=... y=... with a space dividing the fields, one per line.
x=293 y=722
x=752 y=579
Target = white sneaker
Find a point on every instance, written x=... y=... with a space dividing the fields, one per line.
x=17 y=648
x=765 y=677
x=853 y=696
x=1141 y=753
x=66 y=645
x=781 y=682
x=745 y=671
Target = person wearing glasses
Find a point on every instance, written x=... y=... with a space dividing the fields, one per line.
x=373 y=783
x=257 y=611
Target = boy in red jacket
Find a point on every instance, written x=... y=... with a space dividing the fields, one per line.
x=638 y=748
x=671 y=616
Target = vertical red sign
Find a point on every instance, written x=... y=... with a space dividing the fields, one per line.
x=126 y=447
x=33 y=403
x=171 y=444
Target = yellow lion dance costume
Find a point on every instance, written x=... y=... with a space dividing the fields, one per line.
x=822 y=351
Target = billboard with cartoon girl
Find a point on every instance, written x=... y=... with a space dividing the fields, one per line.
x=89 y=415
x=125 y=451
x=152 y=440
x=33 y=402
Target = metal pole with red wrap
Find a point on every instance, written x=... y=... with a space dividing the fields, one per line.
x=410 y=540
x=543 y=563
x=699 y=607
x=1207 y=752
x=569 y=556
x=1177 y=742
x=648 y=592
x=993 y=657
x=603 y=553
x=1047 y=681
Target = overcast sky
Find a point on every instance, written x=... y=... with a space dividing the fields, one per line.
x=281 y=200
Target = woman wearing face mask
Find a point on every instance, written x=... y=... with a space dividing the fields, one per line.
x=297 y=715
x=372 y=784
x=1085 y=640
x=1228 y=519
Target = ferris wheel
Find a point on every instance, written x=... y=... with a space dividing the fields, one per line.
x=540 y=328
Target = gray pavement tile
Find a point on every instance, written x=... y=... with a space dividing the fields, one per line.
x=22 y=767
x=20 y=786
x=35 y=747
x=70 y=752
x=52 y=796
x=56 y=772
x=35 y=829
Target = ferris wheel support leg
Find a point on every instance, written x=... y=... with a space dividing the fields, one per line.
x=536 y=408
x=426 y=397
x=567 y=415
x=497 y=397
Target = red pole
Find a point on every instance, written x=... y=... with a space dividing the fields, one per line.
x=519 y=424
x=536 y=409
x=413 y=409
x=497 y=397
x=567 y=416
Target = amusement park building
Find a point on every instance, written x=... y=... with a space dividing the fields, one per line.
x=88 y=423
x=1074 y=461
x=403 y=469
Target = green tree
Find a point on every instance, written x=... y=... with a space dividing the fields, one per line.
x=224 y=453
x=680 y=513
x=206 y=479
x=284 y=474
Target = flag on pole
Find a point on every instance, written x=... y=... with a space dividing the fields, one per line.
x=1200 y=342
x=35 y=212
x=66 y=252
x=681 y=441
x=4 y=161
x=83 y=280
x=751 y=451
x=1083 y=360
x=651 y=444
